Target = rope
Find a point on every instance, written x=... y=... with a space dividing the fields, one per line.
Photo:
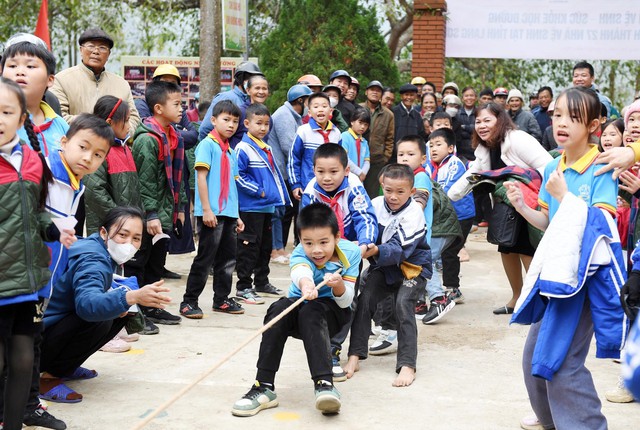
x=224 y=359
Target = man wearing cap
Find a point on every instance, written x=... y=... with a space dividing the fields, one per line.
x=79 y=87
x=237 y=95
x=379 y=135
x=312 y=81
x=342 y=80
x=408 y=121
x=522 y=118
x=500 y=96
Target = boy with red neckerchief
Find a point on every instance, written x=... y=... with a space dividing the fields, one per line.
x=217 y=215
x=158 y=151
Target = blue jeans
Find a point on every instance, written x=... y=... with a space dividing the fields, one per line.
x=276 y=228
x=434 y=285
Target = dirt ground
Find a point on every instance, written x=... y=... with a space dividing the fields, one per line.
x=469 y=371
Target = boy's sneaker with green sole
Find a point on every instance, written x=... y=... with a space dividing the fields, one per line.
x=327 y=397
x=259 y=397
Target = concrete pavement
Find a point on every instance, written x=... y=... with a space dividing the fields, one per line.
x=469 y=373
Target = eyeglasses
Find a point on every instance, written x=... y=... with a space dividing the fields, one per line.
x=101 y=48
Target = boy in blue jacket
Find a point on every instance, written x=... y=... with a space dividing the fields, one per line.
x=341 y=190
x=400 y=266
x=319 y=255
x=260 y=189
x=309 y=137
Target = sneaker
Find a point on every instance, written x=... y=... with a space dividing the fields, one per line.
x=228 y=306
x=531 y=423
x=160 y=316
x=280 y=259
x=327 y=397
x=257 y=399
x=249 y=297
x=192 y=312
x=386 y=343
x=149 y=328
x=619 y=394
x=375 y=331
x=438 y=309
x=269 y=291
x=483 y=224
x=456 y=295
x=168 y=274
x=116 y=345
x=41 y=418
x=421 y=309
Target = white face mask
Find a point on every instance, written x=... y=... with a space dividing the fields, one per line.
x=121 y=252
x=333 y=102
x=451 y=111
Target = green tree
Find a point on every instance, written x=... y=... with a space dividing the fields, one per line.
x=321 y=36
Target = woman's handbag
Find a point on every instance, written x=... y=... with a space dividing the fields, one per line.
x=504 y=225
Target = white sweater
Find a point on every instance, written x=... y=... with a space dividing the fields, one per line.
x=518 y=149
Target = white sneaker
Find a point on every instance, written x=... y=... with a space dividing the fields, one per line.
x=376 y=330
x=619 y=394
x=280 y=259
x=531 y=423
x=116 y=345
x=386 y=343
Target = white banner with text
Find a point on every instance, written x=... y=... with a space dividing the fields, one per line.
x=544 y=29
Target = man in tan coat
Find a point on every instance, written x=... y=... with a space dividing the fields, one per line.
x=379 y=135
x=79 y=87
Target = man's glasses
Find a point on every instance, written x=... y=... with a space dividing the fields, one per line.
x=100 y=48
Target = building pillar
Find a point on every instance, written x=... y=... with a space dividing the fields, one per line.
x=429 y=35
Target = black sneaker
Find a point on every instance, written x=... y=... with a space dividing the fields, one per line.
x=41 y=418
x=160 y=316
x=188 y=311
x=327 y=397
x=229 y=307
x=149 y=328
x=269 y=291
x=439 y=308
x=421 y=309
x=168 y=274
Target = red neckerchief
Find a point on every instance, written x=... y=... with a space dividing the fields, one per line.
x=264 y=147
x=418 y=170
x=39 y=130
x=225 y=168
x=436 y=167
x=333 y=203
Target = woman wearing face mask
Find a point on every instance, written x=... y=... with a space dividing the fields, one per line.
x=87 y=308
x=451 y=104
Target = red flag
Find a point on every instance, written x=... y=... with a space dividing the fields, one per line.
x=42 y=26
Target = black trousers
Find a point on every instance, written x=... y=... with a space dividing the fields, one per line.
x=290 y=216
x=148 y=263
x=371 y=182
x=374 y=291
x=217 y=248
x=450 y=260
x=71 y=341
x=254 y=250
x=314 y=322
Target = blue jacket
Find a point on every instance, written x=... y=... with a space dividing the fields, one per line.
x=401 y=239
x=542 y=117
x=360 y=222
x=241 y=100
x=558 y=296
x=447 y=173
x=308 y=138
x=84 y=287
x=256 y=176
x=185 y=127
x=62 y=201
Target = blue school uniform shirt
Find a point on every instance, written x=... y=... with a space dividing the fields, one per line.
x=209 y=156
x=50 y=135
x=422 y=182
x=349 y=144
x=600 y=191
x=447 y=173
x=348 y=260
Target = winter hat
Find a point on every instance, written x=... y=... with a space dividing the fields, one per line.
x=515 y=94
x=632 y=108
